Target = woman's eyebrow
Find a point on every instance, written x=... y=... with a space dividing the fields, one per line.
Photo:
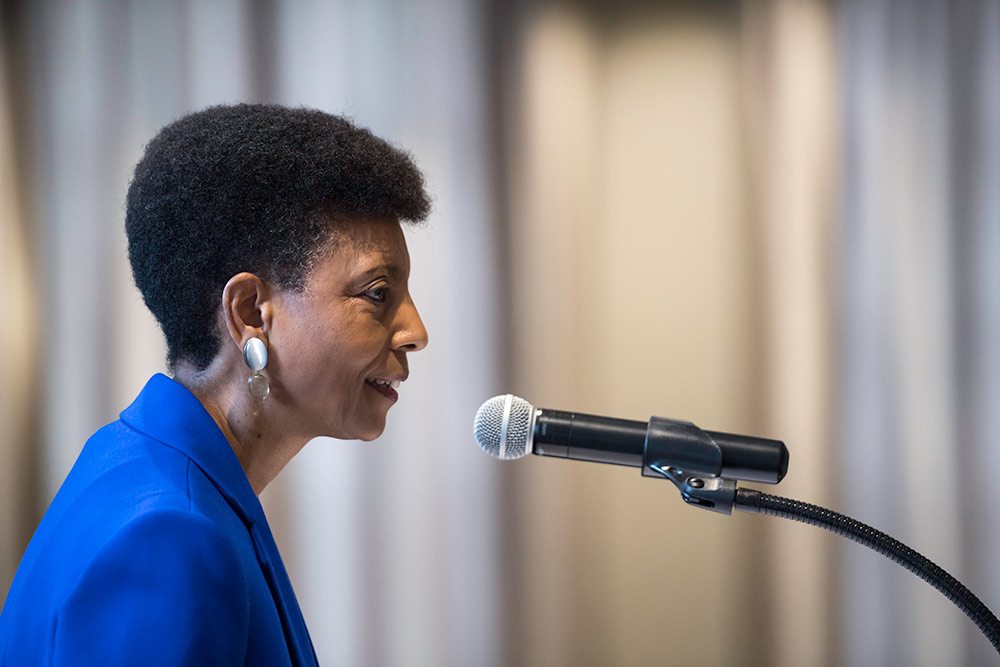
x=389 y=268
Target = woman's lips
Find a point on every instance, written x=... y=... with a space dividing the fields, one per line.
x=383 y=389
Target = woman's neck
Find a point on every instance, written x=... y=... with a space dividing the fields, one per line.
x=262 y=443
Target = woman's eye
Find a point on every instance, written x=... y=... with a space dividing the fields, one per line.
x=376 y=294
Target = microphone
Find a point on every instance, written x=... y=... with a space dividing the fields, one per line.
x=508 y=427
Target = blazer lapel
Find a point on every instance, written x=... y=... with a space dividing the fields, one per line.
x=292 y=622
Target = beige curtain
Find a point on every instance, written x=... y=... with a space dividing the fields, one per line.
x=776 y=217
x=634 y=283
x=790 y=91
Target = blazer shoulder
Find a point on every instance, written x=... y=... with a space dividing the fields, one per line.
x=172 y=583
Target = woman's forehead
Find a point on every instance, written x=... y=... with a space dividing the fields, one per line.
x=375 y=238
x=369 y=235
x=367 y=246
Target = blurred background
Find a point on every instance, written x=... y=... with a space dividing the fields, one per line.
x=776 y=217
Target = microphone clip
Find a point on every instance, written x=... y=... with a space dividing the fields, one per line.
x=706 y=491
x=704 y=465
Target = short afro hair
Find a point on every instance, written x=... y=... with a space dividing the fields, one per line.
x=251 y=187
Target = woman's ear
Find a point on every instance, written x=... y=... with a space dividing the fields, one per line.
x=246 y=308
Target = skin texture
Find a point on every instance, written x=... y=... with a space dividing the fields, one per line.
x=355 y=320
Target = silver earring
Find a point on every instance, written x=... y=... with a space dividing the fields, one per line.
x=255 y=354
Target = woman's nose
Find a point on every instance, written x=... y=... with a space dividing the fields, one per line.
x=410 y=335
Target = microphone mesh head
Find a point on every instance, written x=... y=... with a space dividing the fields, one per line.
x=503 y=425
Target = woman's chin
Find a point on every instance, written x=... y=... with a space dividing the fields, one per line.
x=364 y=433
x=367 y=435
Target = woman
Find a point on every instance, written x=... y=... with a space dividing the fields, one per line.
x=267 y=243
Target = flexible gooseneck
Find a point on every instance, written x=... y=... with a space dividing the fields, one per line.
x=750 y=500
x=722 y=495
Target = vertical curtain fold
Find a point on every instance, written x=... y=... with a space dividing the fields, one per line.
x=975 y=95
x=790 y=83
x=18 y=335
x=916 y=311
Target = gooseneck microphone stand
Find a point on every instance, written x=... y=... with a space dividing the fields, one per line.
x=704 y=482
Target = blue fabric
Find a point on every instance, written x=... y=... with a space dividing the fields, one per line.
x=155 y=551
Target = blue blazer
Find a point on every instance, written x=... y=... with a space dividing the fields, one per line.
x=155 y=551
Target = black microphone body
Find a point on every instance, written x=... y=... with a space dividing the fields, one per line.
x=582 y=437
x=669 y=442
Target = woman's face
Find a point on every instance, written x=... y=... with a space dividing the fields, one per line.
x=337 y=348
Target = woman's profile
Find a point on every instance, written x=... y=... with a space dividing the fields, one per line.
x=267 y=243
